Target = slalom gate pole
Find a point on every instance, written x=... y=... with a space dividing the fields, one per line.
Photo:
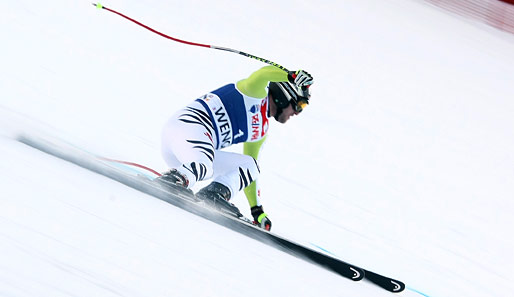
x=100 y=6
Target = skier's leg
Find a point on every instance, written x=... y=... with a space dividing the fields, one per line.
x=235 y=171
x=187 y=144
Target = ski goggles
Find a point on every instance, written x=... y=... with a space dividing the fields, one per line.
x=301 y=101
x=300 y=104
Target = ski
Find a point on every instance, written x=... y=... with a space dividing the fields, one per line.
x=384 y=282
x=185 y=200
x=387 y=283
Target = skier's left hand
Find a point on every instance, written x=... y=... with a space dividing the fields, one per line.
x=260 y=218
x=300 y=78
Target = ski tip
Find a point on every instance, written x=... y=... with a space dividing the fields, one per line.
x=398 y=286
x=98 y=5
x=391 y=285
x=358 y=274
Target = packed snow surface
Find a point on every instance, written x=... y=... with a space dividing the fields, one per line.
x=403 y=162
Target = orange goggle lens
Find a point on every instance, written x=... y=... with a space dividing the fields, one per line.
x=300 y=105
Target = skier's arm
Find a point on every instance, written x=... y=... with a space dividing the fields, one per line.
x=252 y=149
x=255 y=85
x=260 y=217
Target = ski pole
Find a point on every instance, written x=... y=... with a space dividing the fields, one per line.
x=100 y=6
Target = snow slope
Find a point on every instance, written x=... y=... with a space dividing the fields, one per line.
x=402 y=164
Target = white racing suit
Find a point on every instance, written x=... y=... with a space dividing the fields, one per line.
x=192 y=139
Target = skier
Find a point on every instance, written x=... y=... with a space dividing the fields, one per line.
x=192 y=139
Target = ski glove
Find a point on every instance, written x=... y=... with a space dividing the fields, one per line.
x=300 y=78
x=260 y=218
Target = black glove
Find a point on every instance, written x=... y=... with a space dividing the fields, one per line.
x=260 y=218
x=300 y=78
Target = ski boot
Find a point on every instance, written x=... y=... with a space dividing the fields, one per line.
x=216 y=195
x=174 y=181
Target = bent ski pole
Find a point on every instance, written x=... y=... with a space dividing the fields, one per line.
x=100 y=6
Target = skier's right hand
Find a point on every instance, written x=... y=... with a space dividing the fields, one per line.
x=300 y=78
x=260 y=218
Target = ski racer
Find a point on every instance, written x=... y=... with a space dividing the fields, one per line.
x=193 y=138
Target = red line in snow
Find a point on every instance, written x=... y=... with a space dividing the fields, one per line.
x=131 y=164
